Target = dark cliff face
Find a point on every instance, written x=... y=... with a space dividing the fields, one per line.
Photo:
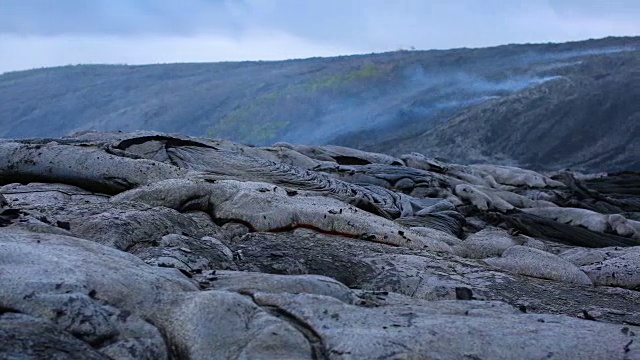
x=545 y=106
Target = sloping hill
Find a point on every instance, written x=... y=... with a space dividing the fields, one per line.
x=375 y=102
x=589 y=118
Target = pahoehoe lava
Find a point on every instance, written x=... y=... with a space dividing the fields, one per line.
x=148 y=245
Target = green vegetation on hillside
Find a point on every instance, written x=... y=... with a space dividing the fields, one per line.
x=250 y=122
x=365 y=72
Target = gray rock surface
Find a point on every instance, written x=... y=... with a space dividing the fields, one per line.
x=264 y=207
x=492 y=242
x=623 y=271
x=228 y=325
x=325 y=253
x=608 y=266
x=26 y=337
x=390 y=332
x=95 y=169
x=533 y=262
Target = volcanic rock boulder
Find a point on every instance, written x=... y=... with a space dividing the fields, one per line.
x=390 y=331
x=97 y=294
x=264 y=207
x=533 y=262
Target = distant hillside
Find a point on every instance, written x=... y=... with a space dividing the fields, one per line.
x=587 y=119
x=545 y=105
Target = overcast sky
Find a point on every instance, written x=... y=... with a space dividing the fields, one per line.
x=37 y=33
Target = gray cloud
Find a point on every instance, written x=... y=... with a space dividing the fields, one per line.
x=223 y=27
x=114 y=17
x=611 y=9
x=323 y=19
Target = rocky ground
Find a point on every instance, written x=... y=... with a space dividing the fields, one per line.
x=155 y=246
